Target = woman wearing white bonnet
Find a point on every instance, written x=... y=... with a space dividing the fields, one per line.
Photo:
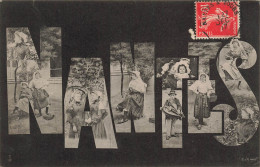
x=175 y=72
x=203 y=89
x=133 y=103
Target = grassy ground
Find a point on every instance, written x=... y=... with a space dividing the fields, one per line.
x=214 y=121
x=22 y=126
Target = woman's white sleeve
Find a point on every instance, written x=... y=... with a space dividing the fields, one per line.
x=194 y=87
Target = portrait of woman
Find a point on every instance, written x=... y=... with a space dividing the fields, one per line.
x=203 y=89
x=133 y=104
x=40 y=96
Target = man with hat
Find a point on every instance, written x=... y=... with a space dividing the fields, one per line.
x=172 y=110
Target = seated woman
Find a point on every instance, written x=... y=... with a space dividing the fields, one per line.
x=133 y=103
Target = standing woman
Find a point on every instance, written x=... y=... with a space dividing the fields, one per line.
x=133 y=103
x=98 y=113
x=40 y=95
x=203 y=89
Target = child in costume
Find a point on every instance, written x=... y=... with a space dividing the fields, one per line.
x=176 y=72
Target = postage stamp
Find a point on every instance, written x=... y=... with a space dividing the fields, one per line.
x=217 y=20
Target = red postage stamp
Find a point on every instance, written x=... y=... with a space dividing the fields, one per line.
x=217 y=19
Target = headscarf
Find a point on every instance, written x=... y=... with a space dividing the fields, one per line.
x=206 y=76
x=197 y=83
x=239 y=44
x=138 y=84
x=240 y=50
x=38 y=82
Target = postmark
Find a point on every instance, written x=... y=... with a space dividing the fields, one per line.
x=217 y=20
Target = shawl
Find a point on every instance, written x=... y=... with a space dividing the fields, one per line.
x=138 y=84
x=202 y=87
x=38 y=83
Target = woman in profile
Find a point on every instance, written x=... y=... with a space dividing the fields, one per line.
x=133 y=104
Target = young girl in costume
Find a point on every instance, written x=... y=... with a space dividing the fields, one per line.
x=176 y=72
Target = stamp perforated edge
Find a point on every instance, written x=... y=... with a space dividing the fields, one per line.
x=215 y=37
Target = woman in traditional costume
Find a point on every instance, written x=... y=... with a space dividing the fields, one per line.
x=203 y=89
x=75 y=111
x=40 y=95
x=133 y=103
x=97 y=114
x=237 y=51
x=229 y=67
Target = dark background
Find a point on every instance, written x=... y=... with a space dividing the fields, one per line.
x=88 y=28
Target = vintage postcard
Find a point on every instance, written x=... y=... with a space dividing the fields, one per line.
x=129 y=83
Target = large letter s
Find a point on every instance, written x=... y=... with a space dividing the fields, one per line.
x=240 y=130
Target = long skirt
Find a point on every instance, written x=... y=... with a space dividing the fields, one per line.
x=23 y=104
x=201 y=106
x=40 y=98
x=134 y=104
x=99 y=130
